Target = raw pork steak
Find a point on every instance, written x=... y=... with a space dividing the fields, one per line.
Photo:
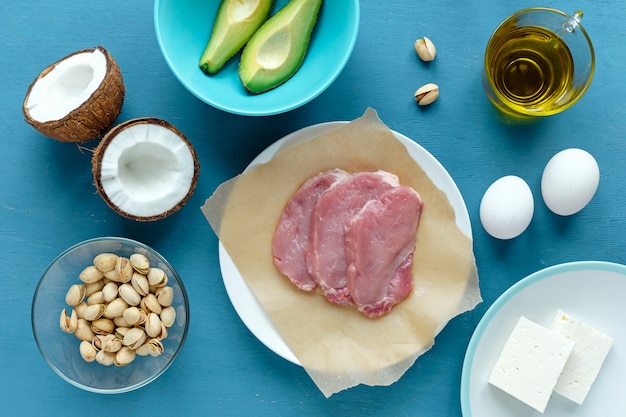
x=326 y=252
x=291 y=238
x=351 y=235
x=379 y=246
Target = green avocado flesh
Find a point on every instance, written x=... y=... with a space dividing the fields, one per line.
x=235 y=23
x=276 y=51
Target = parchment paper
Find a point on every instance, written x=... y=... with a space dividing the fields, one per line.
x=339 y=347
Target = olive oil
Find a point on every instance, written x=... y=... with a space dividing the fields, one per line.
x=530 y=71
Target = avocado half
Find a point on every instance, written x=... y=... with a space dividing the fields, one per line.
x=276 y=51
x=235 y=23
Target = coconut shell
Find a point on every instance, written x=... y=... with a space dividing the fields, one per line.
x=96 y=166
x=92 y=118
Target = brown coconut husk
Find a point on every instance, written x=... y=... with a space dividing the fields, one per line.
x=92 y=118
x=96 y=166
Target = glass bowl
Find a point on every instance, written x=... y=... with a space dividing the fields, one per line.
x=61 y=350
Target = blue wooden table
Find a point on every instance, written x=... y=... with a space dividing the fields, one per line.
x=48 y=201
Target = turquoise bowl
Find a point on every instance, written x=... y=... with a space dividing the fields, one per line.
x=183 y=28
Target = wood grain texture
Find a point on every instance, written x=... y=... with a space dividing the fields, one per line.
x=48 y=201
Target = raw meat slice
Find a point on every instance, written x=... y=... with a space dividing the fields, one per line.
x=326 y=259
x=292 y=232
x=379 y=245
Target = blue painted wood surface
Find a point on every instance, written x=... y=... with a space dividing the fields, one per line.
x=48 y=202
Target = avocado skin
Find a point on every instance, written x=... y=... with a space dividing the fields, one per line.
x=298 y=18
x=227 y=38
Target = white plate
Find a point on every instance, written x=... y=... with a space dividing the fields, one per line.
x=248 y=307
x=592 y=292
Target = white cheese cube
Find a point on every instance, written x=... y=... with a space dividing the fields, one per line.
x=530 y=363
x=586 y=359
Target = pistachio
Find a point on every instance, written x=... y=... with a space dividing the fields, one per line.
x=152 y=347
x=134 y=337
x=93 y=312
x=105 y=261
x=96 y=298
x=425 y=49
x=109 y=292
x=115 y=308
x=140 y=284
x=90 y=274
x=105 y=358
x=124 y=356
x=427 y=94
x=153 y=325
x=140 y=263
x=110 y=343
x=83 y=330
x=129 y=294
x=93 y=287
x=110 y=276
x=87 y=351
x=123 y=269
x=150 y=304
x=102 y=326
x=157 y=277
x=165 y=295
x=120 y=322
x=121 y=331
x=134 y=316
x=68 y=324
x=168 y=316
x=75 y=295
x=80 y=309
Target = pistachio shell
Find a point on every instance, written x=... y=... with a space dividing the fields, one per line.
x=105 y=358
x=105 y=261
x=121 y=331
x=150 y=304
x=140 y=263
x=111 y=343
x=152 y=347
x=111 y=276
x=425 y=49
x=90 y=274
x=134 y=337
x=83 y=330
x=168 y=316
x=157 y=277
x=75 y=295
x=140 y=284
x=109 y=292
x=93 y=287
x=120 y=322
x=93 y=312
x=80 y=309
x=129 y=294
x=134 y=316
x=87 y=351
x=102 y=326
x=124 y=356
x=123 y=269
x=68 y=324
x=153 y=325
x=165 y=296
x=96 y=298
x=115 y=308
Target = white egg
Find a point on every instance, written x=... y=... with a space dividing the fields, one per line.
x=569 y=181
x=507 y=207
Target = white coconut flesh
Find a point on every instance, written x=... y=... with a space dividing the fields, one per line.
x=67 y=86
x=147 y=170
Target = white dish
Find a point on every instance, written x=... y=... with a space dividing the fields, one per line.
x=248 y=307
x=592 y=292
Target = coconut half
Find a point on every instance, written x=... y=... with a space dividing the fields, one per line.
x=145 y=169
x=78 y=98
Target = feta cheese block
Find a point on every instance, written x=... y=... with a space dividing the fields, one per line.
x=530 y=363
x=585 y=361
